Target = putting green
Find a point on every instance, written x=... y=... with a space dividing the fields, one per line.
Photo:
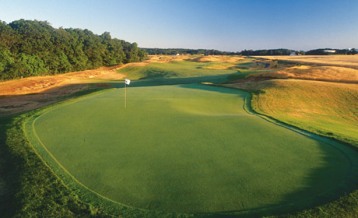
x=190 y=148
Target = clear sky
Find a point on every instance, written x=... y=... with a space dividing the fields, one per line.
x=228 y=25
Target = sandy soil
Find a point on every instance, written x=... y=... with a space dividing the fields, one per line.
x=219 y=58
x=26 y=94
x=197 y=58
x=167 y=58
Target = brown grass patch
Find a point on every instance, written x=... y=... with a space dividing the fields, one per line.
x=33 y=92
x=167 y=58
x=336 y=60
x=322 y=73
x=197 y=58
x=325 y=108
x=218 y=58
x=39 y=84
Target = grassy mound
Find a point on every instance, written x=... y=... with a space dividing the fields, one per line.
x=325 y=108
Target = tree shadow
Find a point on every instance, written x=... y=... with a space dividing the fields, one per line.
x=20 y=103
x=11 y=171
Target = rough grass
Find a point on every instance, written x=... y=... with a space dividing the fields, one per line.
x=328 y=109
x=321 y=99
x=190 y=149
x=345 y=206
x=322 y=73
x=334 y=60
x=218 y=59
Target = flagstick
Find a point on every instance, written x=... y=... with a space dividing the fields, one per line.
x=125 y=95
x=126 y=82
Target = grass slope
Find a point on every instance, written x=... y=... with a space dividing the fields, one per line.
x=191 y=148
x=329 y=109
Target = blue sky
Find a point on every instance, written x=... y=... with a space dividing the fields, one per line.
x=228 y=25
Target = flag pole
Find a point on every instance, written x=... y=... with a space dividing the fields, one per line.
x=125 y=95
x=126 y=82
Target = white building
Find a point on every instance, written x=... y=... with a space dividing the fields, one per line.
x=329 y=51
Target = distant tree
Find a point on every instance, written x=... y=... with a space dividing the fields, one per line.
x=281 y=51
x=174 y=51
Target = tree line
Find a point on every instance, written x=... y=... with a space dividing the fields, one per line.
x=175 y=51
x=326 y=51
x=32 y=48
x=270 y=52
x=262 y=52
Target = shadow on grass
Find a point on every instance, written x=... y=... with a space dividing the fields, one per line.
x=175 y=81
x=328 y=175
x=15 y=158
x=336 y=175
x=10 y=171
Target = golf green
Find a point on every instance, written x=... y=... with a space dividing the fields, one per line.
x=190 y=148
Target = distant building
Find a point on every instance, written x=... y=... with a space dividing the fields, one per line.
x=293 y=53
x=329 y=51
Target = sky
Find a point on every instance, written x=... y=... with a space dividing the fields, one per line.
x=226 y=25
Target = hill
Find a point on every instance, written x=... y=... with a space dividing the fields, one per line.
x=316 y=95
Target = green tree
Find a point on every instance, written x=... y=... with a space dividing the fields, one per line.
x=29 y=65
x=31 y=48
x=6 y=63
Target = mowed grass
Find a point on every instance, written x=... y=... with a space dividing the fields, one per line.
x=178 y=69
x=191 y=148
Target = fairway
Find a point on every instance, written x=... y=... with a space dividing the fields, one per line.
x=190 y=149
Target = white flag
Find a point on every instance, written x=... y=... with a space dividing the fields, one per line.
x=127 y=81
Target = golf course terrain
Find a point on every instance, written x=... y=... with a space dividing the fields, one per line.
x=206 y=136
